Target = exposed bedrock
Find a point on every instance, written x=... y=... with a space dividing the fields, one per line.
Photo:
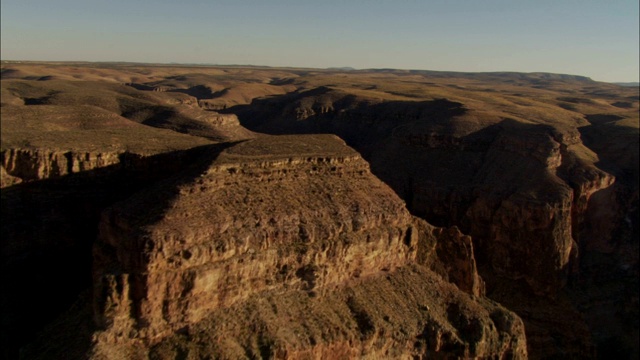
x=449 y=253
x=38 y=164
x=521 y=190
x=301 y=223
x=48 y=229
x=404 y=314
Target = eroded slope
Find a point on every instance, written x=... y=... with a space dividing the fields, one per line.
x=301 y=224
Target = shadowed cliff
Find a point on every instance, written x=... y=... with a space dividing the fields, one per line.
x=49 y=227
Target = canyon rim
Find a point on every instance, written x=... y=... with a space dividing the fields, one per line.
x=178 y=212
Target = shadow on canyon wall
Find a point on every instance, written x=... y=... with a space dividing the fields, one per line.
x=48 y=230
x=443 y=176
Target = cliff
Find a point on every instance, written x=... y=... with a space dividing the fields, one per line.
x=520 y=188
x=408 y=313
x=301 y=223
x=60 y=167
x=50 y=141
x=518 y=180
x=37 y=164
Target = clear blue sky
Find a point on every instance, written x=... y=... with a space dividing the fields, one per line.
x=595 y=38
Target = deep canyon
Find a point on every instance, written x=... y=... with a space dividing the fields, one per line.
x=183 y=212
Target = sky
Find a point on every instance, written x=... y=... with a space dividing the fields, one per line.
x=594 y=38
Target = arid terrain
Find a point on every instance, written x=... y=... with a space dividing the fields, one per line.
x=201 y=212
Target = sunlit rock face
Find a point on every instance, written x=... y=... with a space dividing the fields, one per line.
x=280 y=215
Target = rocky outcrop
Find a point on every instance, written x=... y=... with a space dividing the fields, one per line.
x=520 y=189
x=48 y=228
x=407 y=313
x=273 y=218
x=275 y=244
x=223 y=119
x=38 y=164
x=6 y=179
x=449 y=253
x=254 y=240
x=194 y=121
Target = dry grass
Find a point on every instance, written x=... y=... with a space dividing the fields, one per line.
x=64 y=95
x=85 y=128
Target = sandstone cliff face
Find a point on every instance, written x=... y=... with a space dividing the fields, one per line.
x=520 y=189
x=6 y=179
x=48 y=228
x=406 y=314
x=449 y=253
x=279 y=217
x=609 y=299
x=522 y=194
x=51 y=141
x=527 y=204
x=38 y=164
x=246 y=240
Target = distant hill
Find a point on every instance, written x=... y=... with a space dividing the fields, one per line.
x=632 y=84
x=343 y=68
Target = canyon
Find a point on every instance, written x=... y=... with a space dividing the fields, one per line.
x=170 y=212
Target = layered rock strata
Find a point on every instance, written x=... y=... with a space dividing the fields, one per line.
x=37 y=164
x=521 y=187
x=410 y=313
x=521 y=198
x=51 y=141
x=48 y=228
x=241 y=237
x=449 y=253
x=282 y=216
